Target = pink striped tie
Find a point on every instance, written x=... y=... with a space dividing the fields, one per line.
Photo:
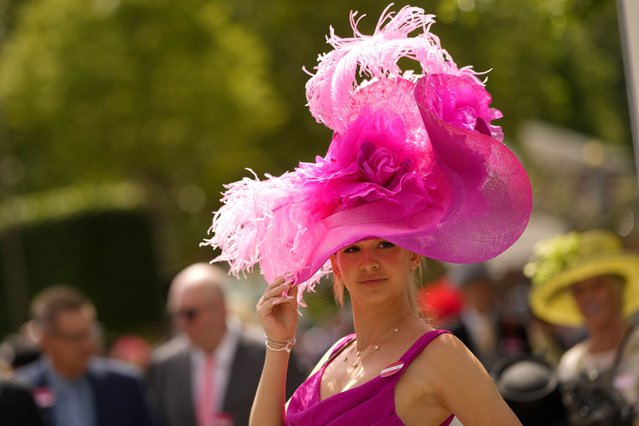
x=205 y=401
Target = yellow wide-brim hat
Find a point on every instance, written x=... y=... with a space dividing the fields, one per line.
x=567 y=259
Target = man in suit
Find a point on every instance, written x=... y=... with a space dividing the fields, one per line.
x=481 y=325
x=72 y=386
x=17 y=407
x=208 y=374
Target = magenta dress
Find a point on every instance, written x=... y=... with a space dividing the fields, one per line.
x=371 y=403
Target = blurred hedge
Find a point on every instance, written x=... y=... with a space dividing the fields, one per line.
x=108 y=255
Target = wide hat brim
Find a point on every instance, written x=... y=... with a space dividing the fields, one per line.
x=552 y=301
x=489 y=208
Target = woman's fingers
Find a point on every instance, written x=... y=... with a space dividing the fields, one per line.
x=275 y=294
x=276 y=289
x=288 y=294
x=277 y=310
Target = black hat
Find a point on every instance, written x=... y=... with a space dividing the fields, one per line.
x=530 y=387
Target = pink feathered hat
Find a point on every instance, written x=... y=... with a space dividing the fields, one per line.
x=414 y=159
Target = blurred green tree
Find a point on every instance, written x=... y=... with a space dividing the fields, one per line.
x=180 y=96
x=184 y=95
x=556 y=60
x=559 y=61
x=172 y=95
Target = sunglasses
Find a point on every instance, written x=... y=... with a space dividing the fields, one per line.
x=189 y=314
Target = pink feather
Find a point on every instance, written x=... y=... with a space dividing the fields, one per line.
x=332 y=90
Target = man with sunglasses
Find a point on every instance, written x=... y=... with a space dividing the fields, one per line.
x=71 y=385
x=207 y=374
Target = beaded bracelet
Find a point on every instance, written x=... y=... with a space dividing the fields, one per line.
x=280 y=345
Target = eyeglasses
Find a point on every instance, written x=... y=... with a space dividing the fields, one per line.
x=189 y=314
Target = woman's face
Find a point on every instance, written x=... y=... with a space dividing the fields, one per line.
x=374 y=268
x=599 y=299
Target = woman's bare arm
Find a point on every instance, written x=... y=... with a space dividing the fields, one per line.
x=277 y=310
x=268 y=405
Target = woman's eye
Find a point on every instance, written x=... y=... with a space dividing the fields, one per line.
x=351 y=249
x=386 y=244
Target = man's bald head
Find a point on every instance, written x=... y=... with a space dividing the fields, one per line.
x=197 y=302
x=202 y=277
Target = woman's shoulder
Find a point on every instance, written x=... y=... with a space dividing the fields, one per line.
x=436 y=340
x=447 y=364
x=440 y=378
x=444 y=348
x=443 y=354
x=632 y=347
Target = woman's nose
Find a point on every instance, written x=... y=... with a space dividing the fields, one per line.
x=369 y=262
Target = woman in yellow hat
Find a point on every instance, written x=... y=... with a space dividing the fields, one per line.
x=588 y=280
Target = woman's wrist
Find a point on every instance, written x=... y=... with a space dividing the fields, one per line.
x=280 y=345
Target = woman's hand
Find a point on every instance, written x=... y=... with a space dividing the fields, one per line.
x=277 y=310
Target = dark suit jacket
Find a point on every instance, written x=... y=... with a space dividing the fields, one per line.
x=511 y=340
x=17 y=407
x=120 y=393
x=169 y=375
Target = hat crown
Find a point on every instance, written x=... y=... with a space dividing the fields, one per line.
x=563 y=252
x=596 y=242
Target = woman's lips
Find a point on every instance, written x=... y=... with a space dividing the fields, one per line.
x=371 y=281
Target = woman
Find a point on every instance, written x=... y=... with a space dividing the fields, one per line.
x=415 y=168
x=442 y=380
x=587 y=279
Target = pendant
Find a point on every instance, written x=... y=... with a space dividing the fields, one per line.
x=358 y=356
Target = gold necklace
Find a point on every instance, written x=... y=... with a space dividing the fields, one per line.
x=359 y=355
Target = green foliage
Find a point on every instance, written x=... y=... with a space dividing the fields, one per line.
x=191 y=92
x=554 y=60
x=181 y=96
x=144 y=89
x=64 y=202
x=9 y=10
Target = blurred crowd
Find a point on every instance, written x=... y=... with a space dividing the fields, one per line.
x=558 y=338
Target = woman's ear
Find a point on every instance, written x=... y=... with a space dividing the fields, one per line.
x=336 y=271
x=415 y=259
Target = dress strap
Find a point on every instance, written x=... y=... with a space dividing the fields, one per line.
x=420 y=344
